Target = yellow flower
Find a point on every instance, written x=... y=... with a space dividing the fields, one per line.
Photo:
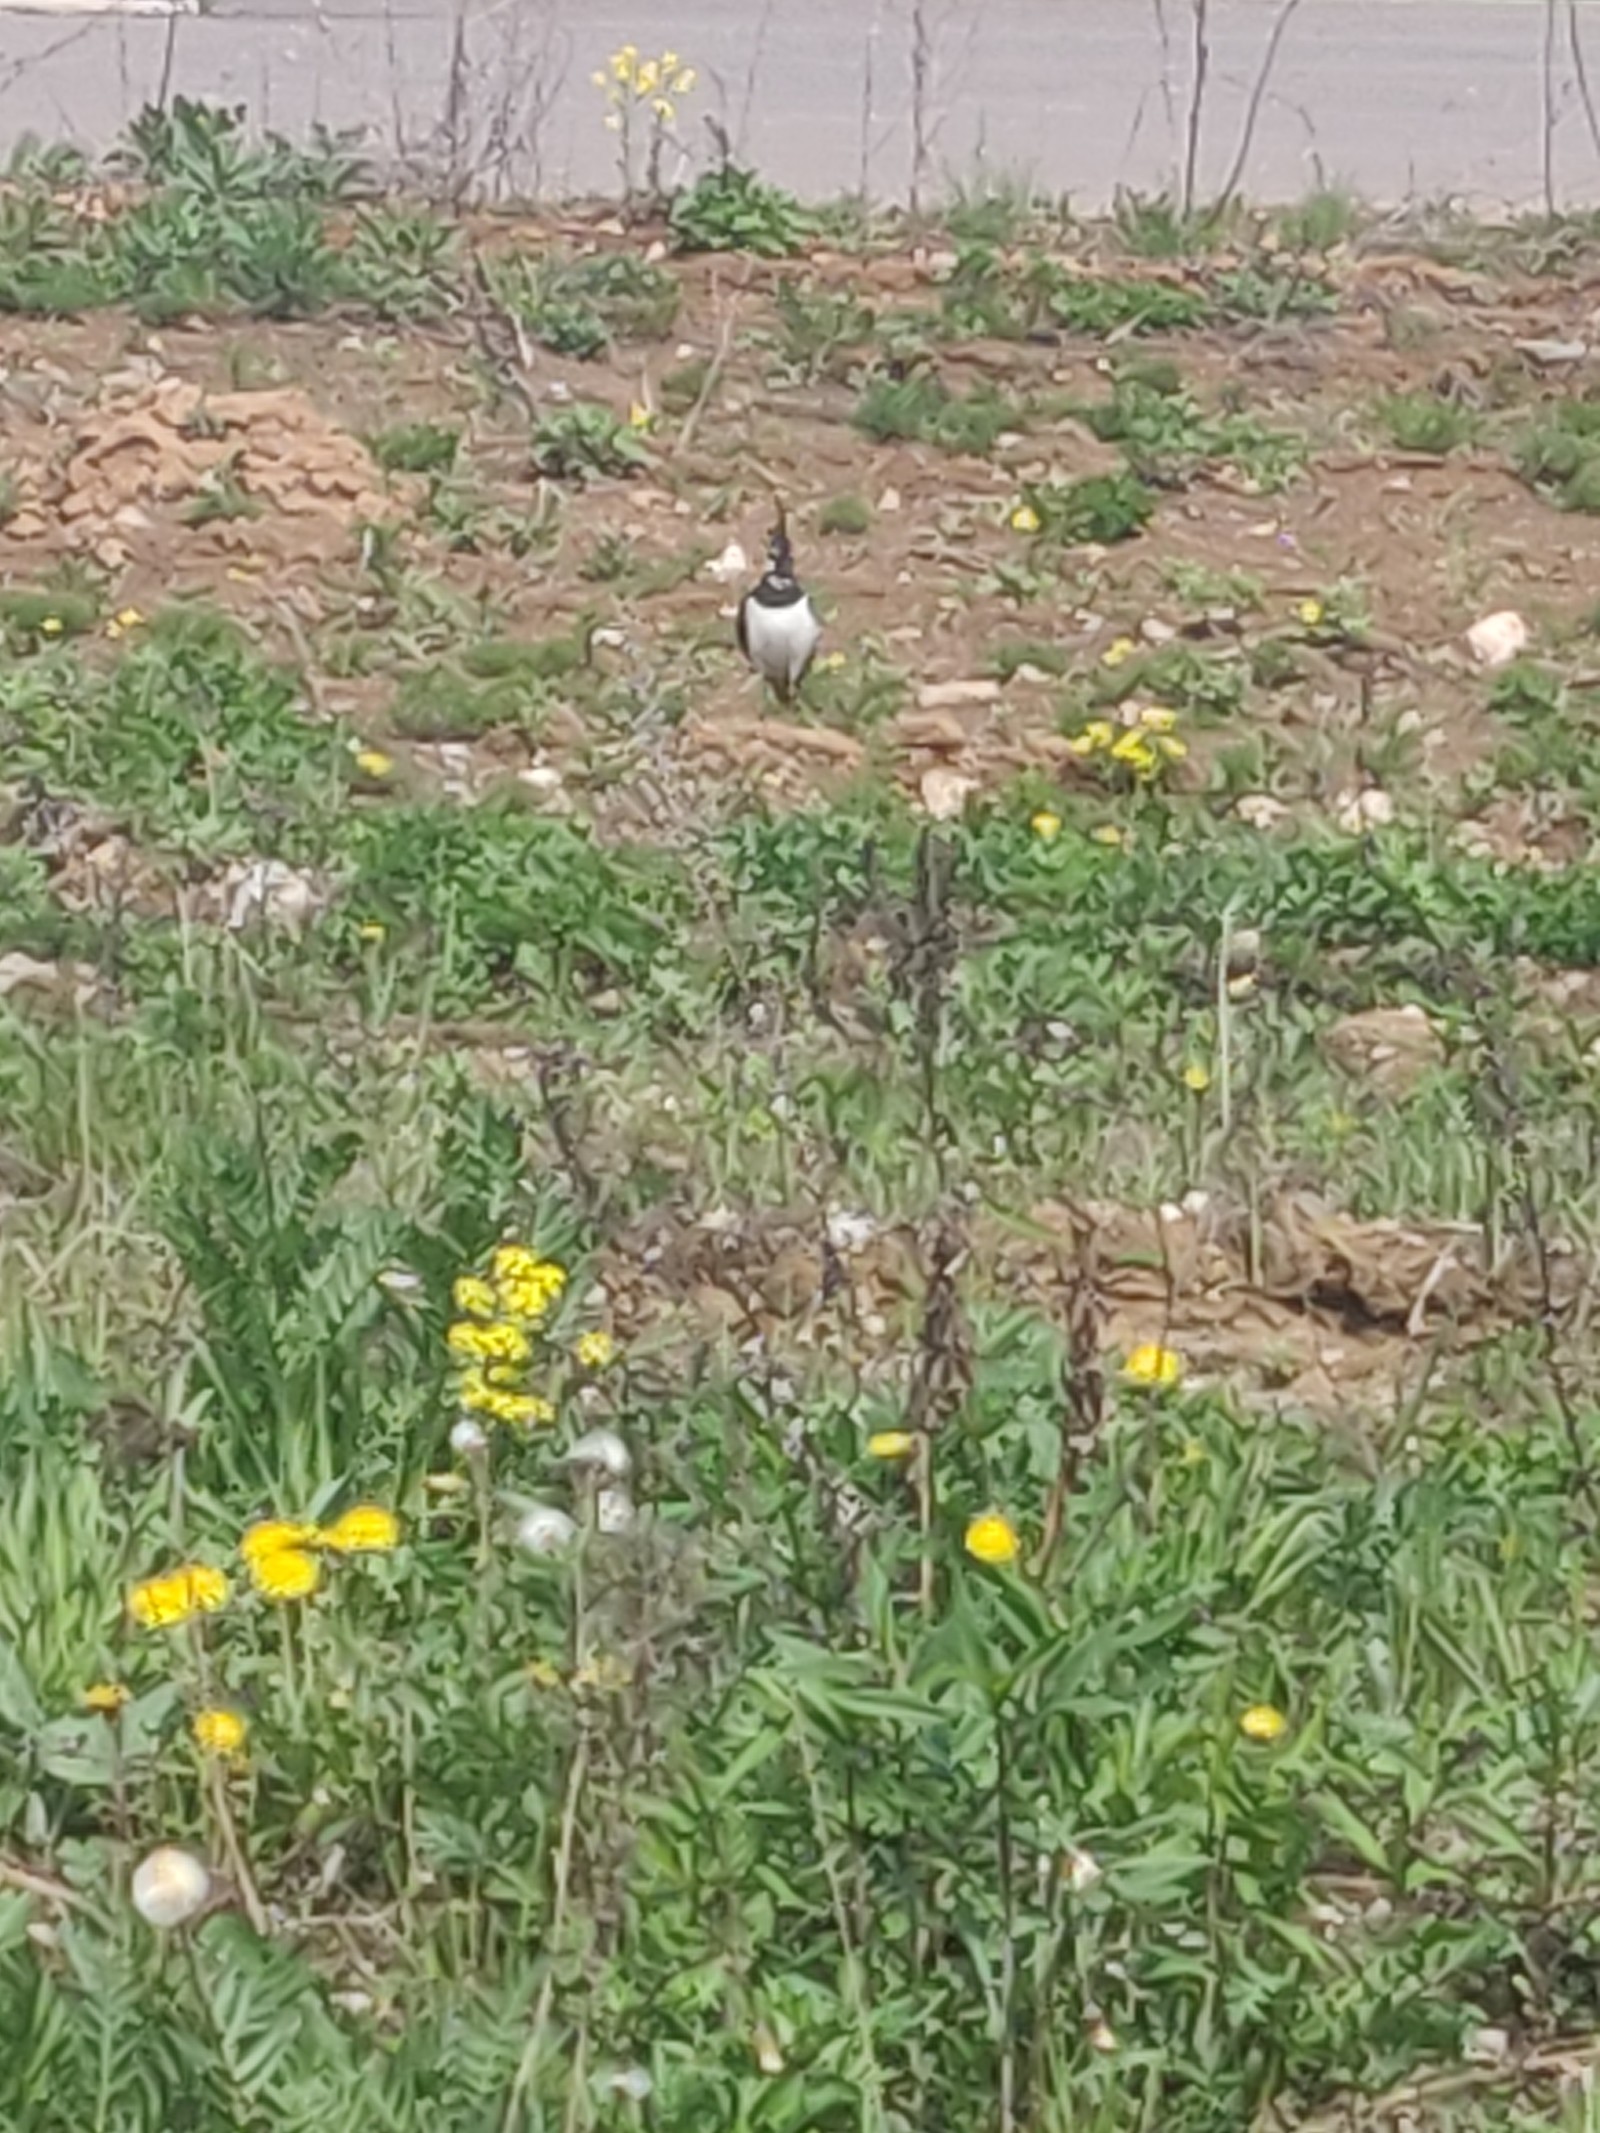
x=106 y=1697
x=161 y=1603
x=219 y=1732
x=271 y=1534
x=1152 y=1364
x=365 y=1529
x=51 y=626
x=542 y=1674
x=474 y=1297
x=1045 y=825
x=1197 y=1077
x=529 y=1296
x=1099 y=733
x=372 y=930
x=520 y=1410
x=1024 y=519
x=891 y=1444
x=285 y=1574
x=639 y=416
x=669 y=62
x=1108 y=833
x=495 y=1343
x=992 y=1538
x=664 y=109
x=830 y=662
x=128 y=618
x=604 y=1671
x=1156 y=718
x=685 y=81
x=1311 y=612
x=1263 y=1722
x=1171 y=747
x=648 y=78
x=373 y=763
x=594 y=1350
x=1118 y=654
x=1134 y=750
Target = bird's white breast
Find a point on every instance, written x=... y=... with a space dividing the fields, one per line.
x=782 y=640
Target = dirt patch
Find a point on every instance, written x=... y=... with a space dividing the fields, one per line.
x=264 y=472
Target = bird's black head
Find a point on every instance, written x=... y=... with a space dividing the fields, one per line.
x=780 y=556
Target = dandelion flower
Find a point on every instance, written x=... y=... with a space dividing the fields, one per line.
x=992 y=1538
x=106 y=1697
x=1118 y=653
x=891 y=1444
x=1024 y=519
x=1045 y=826
x=169 y=1887
x=639 y=416
x=1151 y=1364
x=1263 y=1722
x=594 y=1350
x=1197 y=1077
x=1311 y=612
x=365 y=1529
x=372 y=929
x=163 y=1602
x=284 y=1574
x=270 y=1535
x=128 y=618
x=220 y=1732
x=373 y=763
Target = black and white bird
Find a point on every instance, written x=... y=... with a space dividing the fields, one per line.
x=778 y=627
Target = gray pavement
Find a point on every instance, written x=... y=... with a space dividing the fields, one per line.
x=1396 y=98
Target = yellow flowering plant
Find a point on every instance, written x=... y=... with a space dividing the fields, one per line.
x=505 y=1332
x=641 y=98
x=1146 y=747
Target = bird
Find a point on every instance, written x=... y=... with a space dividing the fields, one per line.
x=778 y=627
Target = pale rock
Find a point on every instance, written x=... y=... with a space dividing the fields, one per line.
x=271 y=891
x=1498 y=639
x=1260 y=811
x=729 y=568
x=1356 y=813
x=952 y=695
x=945 y=793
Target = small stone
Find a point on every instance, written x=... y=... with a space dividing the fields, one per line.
x=729 y=568
x=1356 y=813
x=889 y=500
x=1498 y=639
x=944 y=793
x=1259 y=810
x=947 y=695
x=1154 y=631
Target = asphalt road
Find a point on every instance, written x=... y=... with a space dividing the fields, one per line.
x=1395 y=98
